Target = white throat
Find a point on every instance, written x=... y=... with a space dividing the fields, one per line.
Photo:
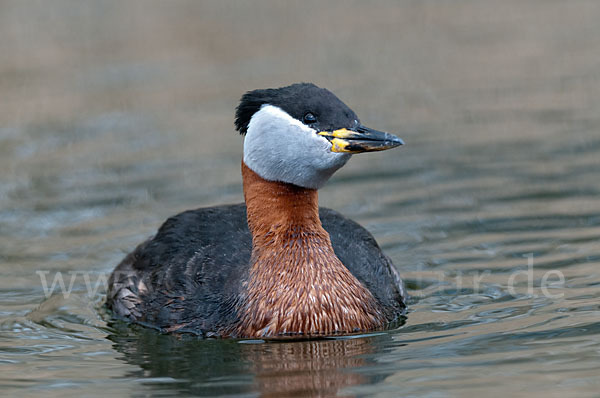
x=280 y=148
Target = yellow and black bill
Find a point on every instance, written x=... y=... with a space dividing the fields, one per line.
x=360 y=139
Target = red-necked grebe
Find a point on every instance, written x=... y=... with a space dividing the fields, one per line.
x=277 y=265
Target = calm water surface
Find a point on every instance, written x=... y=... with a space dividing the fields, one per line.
x=114 y=116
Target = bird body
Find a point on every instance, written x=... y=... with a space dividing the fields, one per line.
x=278 y=265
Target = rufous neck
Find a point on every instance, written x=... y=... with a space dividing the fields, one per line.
x=275 y=207
x=296 y=284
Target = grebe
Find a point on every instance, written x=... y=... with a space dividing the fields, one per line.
x=278 y=265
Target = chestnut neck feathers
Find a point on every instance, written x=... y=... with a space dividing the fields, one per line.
x=297 y=285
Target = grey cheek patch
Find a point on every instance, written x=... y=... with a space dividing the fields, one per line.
x=280 y=148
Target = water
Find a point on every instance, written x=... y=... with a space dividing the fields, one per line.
x=114 y=116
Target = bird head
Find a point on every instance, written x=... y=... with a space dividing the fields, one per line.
x=302 y=134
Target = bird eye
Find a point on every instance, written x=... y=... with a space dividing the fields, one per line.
x=309 y=118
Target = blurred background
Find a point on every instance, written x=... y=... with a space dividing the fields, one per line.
x=117 y=114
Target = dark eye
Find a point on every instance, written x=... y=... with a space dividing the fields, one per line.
x=309 y=118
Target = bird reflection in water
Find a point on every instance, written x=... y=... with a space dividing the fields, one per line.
x=309 y=368
x=312 y=368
